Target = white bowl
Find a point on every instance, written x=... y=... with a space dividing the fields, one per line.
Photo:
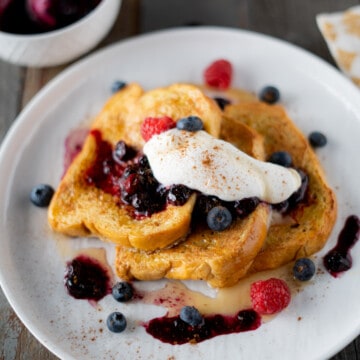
x=60 y=46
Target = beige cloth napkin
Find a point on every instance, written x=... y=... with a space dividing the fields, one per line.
x=341 y=31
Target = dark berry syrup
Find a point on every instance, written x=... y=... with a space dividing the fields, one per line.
x=17 y=17
x=174 y=331
x=338 y=259
x=125 y=174
x=297 y=198
x=86 y=278
x=73 y=145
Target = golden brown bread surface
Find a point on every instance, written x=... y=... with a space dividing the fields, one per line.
x=80 y=209
x=311 y=223
x=223 y=258
x=220 y=258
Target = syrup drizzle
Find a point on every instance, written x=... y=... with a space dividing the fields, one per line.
x=339 y=259
x=221 y=313
x=16 y=18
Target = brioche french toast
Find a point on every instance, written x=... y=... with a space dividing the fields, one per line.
x=211 y=256
x=310 y=222
x=169 y=243
x=220 y=258
x=80 y=208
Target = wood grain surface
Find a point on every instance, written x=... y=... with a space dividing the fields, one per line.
x=291 y=20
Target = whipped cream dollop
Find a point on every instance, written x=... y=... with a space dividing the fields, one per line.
x=216 y=167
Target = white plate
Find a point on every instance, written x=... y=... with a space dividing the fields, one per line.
x=31 y=268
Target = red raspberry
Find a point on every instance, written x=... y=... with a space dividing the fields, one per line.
x=219 y=74
x=153 y=125
x=270 y=296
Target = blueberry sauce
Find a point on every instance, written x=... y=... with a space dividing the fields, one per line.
x=299 y=196
x=73 y=145
x=86 y=278
x=173 y=330
x=222 y=102
x=339 y=259
x=105 y=173
x=246 y=206
x=38 y=16
x=125 y=174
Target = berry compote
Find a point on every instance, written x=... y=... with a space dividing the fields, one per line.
x=173 y=330
x=86 y=278
x=338 y=259
x=285 y=207
x=38 y=16
x=125 y=174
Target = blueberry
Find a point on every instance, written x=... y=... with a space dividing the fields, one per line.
x=191 y=316
x=219 y=218
x=144 y=162
x=141 y=190
x=178 y=194
x=122 y=291
x=85 y=279
x=116 y=322
x=282 y=158
x=222 y=102
x=299 y=195
x=246 y=206
x=205 y=203
x=304 y=269
x=317 y=139
x=117 y=86
x=269 y=94
x=41 y=195
x=123 y=152
x=190 y=123
x=336 y=261
x=248 y=319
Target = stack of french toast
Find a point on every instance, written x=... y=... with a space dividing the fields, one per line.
x=171 y=242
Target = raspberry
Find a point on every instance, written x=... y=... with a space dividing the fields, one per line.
x=219 y=74
x=153 y=125
x=269 y=296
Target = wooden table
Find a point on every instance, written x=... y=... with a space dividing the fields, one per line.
x=291 y=20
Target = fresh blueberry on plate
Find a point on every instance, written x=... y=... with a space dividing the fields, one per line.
x=116 y=322
x=191 y=316
x=270 y=94
x=317 y=139
x=122 y=291
x=304 y=269
x=41 y=195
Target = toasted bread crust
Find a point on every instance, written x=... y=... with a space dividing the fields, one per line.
x=223 y=258
x=314 y=220
x=153 y=248
x=80 y=209
x=176 y=101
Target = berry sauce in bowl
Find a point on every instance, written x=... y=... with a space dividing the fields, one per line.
x=40 y=33
x=37 y=16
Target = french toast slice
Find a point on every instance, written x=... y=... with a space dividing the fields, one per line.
x=176 y=101
x=82 y=209
x=310 y=222
x=220 y=258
